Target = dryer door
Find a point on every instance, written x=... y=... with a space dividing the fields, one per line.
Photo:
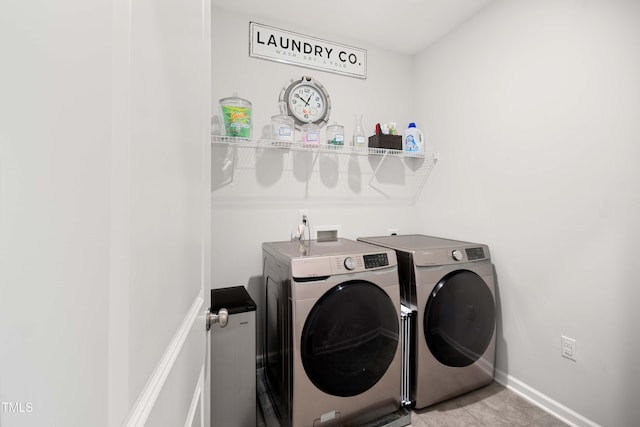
x=459 y=319
x=350 y=338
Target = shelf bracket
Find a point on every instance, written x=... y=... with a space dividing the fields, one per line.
x=375 y=173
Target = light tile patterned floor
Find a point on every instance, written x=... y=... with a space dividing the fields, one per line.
x=490 y=406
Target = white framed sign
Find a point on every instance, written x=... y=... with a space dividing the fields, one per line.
x=279 y=45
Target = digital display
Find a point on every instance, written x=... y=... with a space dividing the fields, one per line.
x=474 y=253
x=376 y=260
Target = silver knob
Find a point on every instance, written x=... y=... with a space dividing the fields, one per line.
x=222 y=318
x=456 y=255
x=349 y=263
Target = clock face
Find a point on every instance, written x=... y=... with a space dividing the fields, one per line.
x=307 y=101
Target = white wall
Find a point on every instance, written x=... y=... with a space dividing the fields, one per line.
x=54 y=212
x=383 y=96
x=534 y=108
x=240 y=222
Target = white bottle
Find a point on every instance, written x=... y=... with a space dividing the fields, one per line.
x=413 y=143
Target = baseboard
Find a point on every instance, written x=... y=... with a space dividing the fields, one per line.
x=544 y=402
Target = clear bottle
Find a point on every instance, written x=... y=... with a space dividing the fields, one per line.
x=359 y=140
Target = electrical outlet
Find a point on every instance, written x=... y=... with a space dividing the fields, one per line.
x=332 y=231
x=568 y=347
x=303 y=214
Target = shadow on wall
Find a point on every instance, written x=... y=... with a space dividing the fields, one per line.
x=501 y=362
x=393 y=171
x=256 y=171
x=223 y=159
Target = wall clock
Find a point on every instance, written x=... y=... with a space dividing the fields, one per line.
x=306 y=100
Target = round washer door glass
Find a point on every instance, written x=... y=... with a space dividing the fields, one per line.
x=459 y=319
x=350 y=338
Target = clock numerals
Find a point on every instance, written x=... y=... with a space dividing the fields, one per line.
x=307 y=104
x=307 y=101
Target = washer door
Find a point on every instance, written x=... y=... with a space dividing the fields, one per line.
x=350 y=338
x=459 y=319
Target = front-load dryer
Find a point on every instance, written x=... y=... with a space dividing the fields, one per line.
x=450 y=285
x=331 y=339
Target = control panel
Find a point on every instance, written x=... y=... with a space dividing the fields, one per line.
x=472 y=254
x=309 y=267
x=358 y=263
x=376 y=260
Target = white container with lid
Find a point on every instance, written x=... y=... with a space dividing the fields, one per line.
x=310 y=135
x=236 y=117
x=413 y=142
x=335 y=135
x=282 y=129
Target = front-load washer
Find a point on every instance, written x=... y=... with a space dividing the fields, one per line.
x=450 y=286
x=331 y=338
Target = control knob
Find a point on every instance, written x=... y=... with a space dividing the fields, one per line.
x=349 y=263
x=457 y=255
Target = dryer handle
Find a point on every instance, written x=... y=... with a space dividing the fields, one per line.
x=222 y=317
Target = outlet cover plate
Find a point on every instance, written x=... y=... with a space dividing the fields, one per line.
x=568 y=347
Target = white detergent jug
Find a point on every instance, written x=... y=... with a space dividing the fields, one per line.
x=413 y=143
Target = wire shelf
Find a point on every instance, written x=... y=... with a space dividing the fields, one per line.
x=261 y=171
x=299 y=146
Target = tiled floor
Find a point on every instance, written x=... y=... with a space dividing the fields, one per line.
x=490 y=406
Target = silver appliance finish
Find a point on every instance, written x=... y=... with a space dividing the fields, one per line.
x=233 y=372
x=299 y=277
x=425 y=263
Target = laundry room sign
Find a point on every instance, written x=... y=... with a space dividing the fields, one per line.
x=288 y=47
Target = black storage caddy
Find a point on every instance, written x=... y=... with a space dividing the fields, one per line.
x=391 y=142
